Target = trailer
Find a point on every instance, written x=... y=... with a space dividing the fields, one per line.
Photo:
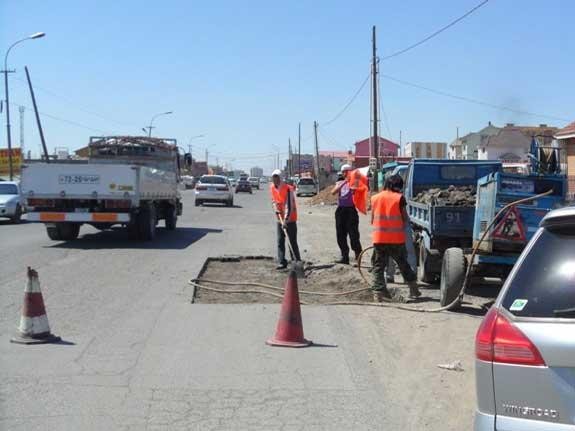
x=126 y=180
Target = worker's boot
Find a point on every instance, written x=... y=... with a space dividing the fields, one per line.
x=344 y=260
x=381 y=295
x=413 y=290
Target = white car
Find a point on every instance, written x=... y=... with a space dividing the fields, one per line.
x=306 y=186
x=214 y=188
x=188 y=181
x=254 y=182
x=11 y=202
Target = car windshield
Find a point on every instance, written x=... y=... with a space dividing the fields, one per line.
x=306 y=182
x=544 y=284
x=8 y=189
x=212 y=180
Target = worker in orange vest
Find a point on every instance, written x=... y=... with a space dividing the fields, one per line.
x=388 y=218
x=346 y=216
x=284 y=204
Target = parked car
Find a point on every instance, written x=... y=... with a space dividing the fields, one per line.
x=306 y=186
x=11 y=202
x=244 y=186
x=525 y=350
x=254 y=182
x=188 y=181
x=214 y=188
x=233 y=181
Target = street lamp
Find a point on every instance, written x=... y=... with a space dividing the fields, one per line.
x=209 y=146
x=150 y=127
x=6 y=72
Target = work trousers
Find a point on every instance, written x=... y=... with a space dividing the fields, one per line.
x=291 y=228
x=411 y=258
x=347 y=223
x=381 y=255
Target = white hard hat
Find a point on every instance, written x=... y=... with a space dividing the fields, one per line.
x=277 y=172
x=346 y=167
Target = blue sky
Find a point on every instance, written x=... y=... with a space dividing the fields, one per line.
x=245 y=73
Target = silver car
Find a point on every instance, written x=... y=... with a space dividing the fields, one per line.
x=11 y=202
x=214 y=188
x=306 y=186
x=525 y=346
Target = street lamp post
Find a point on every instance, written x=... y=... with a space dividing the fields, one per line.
x=150 y=127
x=6 y=72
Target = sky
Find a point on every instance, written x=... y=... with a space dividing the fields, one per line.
x=244 y=74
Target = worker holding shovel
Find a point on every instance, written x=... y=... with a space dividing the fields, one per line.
x=284 y=204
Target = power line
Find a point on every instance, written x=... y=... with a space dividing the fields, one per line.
x=432 y=35
x=470 y=100
x=348 y=104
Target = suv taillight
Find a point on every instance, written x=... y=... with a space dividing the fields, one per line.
x=498 y=340
x=201 y=188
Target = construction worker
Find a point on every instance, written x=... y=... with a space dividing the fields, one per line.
x=284 y=204
x=388 y=218
x=346 y=216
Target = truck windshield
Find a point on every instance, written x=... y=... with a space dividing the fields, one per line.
x=8 y=189
x=458 y=172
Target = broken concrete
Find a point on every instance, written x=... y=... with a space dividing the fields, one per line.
x=463 y=196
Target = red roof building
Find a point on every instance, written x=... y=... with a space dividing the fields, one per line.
x=387 y=149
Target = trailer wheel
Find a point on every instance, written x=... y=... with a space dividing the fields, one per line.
x=53 y=233
x=452 y=275
x=147 y=223
x=423 y=272
x=171 y=217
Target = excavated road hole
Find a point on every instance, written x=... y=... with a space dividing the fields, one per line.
x=332 y=278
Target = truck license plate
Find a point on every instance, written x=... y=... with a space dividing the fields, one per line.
x=79 y=179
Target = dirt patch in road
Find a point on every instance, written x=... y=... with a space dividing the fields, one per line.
x=330 y=280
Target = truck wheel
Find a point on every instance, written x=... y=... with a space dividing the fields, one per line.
x=452 y=275
x=69 y=231
x=171 y=218
x=147 y=223
x=423 y=272
x=53 y=233
x=17 y=215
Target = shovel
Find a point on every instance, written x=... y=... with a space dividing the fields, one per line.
x=296 y=265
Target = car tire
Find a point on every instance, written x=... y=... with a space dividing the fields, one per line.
x=423 y=272
x=171 y=217
x=453 y=271
x=147 y=223
x=198 y=203
x=17 y=217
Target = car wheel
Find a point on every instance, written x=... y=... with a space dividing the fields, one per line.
x=198 y=203
x=452 y=275
x=17 y=215
x=171 y=218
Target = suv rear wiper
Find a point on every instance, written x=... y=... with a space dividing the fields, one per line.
x=565 y=312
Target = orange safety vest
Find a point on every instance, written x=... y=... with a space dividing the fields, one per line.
x=280 y=199
x=387 y=220
x=358 y=183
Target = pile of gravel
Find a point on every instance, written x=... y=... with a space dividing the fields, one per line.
x=462 y=196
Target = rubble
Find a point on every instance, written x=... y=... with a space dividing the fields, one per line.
x=462 y=196
x=324 y=197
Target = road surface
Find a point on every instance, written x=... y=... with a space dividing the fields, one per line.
x=137 y=355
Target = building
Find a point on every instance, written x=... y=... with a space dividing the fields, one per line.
x=544 y=133
x=300 y=164
x=387 y=149
x=256 y=172
x=466 y=147
x=566 y=138
x=508 y=145
x=332 y=161
x=426 y=150
x=199 y=168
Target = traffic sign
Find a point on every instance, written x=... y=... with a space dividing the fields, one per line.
x=510 y=227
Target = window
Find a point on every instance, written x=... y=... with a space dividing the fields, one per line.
x=8 y=189
x=306 y=182
x=458 y=172
x=544 y=284
x=212 y=180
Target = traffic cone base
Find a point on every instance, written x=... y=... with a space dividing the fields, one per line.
x=289 y=330
x=34 y=327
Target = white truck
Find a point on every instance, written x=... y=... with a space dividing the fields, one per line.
x=126 y=180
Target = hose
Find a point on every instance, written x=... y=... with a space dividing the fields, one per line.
x=465 y=284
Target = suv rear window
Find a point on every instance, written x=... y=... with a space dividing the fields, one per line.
x=212 y=180
x=306 y=182
x=544 y=285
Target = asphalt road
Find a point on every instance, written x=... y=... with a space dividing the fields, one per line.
x=138 y=355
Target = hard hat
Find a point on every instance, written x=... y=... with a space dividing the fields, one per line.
x=277 y=172
x=346 y=167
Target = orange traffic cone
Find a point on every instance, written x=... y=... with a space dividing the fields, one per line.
x=34 y=327
x=289 y=330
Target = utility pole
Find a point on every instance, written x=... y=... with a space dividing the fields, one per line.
x=290 y=159
x=299 y=150
x=21 y=110
x=206 y=157
x=316 y=156
x=375 y=140
x=400 y=145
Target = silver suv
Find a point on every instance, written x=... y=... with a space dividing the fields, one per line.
x=525 y=346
